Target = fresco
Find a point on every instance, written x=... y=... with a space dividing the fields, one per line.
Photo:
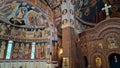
x=22 y=14
x=28 y=33
x=87 y=9
x=3 y=48
x=1 y=3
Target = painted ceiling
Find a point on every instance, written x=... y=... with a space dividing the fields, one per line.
x=24 y=13
x=88 y=10
x=44 y=10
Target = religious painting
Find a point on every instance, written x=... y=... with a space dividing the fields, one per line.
x=30 y=34
x=79 y=26
x=112 y=42
x=72 y=21
x=9 y=9
x=2 y=2
x=100 y=44
x=23 y=14
x=15 y=51
x=21 y=51
x=57 y=12
x=46 y=32
x=71 y=11
x=48 y=52
x=27 y=51
x=66 y=62
x=38 y=51
x=86 y=9
x=54 y=33
x=41 y=50
x=38 y=34
x=18 y=19
x=2 y=29
x=33 y=1
x=65 y=21
x=3 y=48
x=64 y=11
x=35 y=18
x=45 y=48
x=93 y=2
x=54 y=50
x=98 y=62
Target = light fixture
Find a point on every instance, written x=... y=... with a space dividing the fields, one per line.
x=60 y=50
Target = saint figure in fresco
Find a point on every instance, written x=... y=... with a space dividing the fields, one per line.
x=2 y=49
x=21 y=51
x=112 y=42
x=39 y=20
x=15 y=51
x=2 y=29
x=65 y=21
x=38 y=51
x=64 y=11
x=31 y=16
x=45 y=32
x=18 y=20
x=42 y=51
x=27 y=52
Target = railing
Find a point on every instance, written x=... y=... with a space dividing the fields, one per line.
x=27 y=64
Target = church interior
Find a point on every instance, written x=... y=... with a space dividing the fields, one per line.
x=59 y=34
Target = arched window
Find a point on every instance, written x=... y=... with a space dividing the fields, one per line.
x=9 y=48
x=33 y=50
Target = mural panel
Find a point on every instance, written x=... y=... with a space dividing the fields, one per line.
x=19 y=13
x=21 y=51
x=3 y=48
x=112 y=42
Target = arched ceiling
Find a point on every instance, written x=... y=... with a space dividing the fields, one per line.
x=28 y=13
x=86 y=11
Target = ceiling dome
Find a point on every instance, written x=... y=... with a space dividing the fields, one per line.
x=23 y=14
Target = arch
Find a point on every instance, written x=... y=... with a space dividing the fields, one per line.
x=85 y=61
x=12 y=14
x=107 y=24
x=114 y=60
x=101 y=57
x=117 y=51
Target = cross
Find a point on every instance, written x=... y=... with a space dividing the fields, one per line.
x=106 y=9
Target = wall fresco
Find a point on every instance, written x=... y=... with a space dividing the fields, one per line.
x=19 y=13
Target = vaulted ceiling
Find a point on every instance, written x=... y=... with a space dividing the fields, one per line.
x=87 y=11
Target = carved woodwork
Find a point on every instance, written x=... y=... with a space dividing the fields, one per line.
x=93 y=42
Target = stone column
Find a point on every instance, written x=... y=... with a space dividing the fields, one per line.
x=68 y=35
